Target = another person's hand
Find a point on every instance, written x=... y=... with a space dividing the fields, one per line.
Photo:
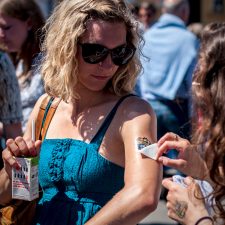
x=188 y=161
x=19 y=147
x=185 y=204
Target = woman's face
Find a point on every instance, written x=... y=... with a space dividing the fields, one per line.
x=110 y=35
x=13 y=33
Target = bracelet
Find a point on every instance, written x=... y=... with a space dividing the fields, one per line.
x=204 y=218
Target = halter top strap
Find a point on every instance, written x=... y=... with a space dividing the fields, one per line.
x=102 y=130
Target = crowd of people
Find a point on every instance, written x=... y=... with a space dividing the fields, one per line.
x=123 y=78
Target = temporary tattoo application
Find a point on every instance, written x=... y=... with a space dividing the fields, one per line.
x=142 y=142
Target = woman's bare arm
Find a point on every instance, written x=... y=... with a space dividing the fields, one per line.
x=140 y=195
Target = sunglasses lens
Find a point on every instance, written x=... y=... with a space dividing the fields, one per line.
x=123 y=54
x=93 y=53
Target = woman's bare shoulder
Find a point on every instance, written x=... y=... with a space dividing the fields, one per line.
x=135 y=106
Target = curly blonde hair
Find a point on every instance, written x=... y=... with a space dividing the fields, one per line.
x=63 y=30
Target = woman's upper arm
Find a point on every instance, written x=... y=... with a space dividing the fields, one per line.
x=141 y=124
x=33 y=116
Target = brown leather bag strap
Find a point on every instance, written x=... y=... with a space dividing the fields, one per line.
x=45 y=114
x=39 y=119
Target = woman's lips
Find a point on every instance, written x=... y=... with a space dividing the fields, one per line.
x=100 y=77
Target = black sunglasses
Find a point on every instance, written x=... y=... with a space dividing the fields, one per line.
x=95 y=53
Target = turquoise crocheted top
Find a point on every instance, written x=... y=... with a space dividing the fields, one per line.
x=76 y=180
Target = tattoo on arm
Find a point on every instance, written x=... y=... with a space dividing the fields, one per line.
x=142 y=142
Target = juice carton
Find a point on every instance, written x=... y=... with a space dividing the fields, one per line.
x=25 y=180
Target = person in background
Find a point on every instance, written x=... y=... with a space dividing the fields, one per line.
x=147 y=14
x=204 y=158
x=169 y=58
x=10 y=103
x=46 y=6
x=90 y=167
x=196 y=28
x=20 y=23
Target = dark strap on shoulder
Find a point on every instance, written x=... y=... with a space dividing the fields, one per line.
x=45 y=114
x=102 y=130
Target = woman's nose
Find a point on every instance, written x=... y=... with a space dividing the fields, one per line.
x=107 y=63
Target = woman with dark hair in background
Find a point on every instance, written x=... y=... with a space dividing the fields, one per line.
x=21 y=22
x=204 y=159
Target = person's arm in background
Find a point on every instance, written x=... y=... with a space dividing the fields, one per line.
x=143 y=176
x=10 y=104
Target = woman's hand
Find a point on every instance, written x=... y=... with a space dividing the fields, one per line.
x=18 y=147
x=188 y=161
x=185 y=204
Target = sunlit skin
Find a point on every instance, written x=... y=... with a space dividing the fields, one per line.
x=95 y=76
x=10 y=38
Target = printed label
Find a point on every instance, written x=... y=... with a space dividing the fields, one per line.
x=25 y=180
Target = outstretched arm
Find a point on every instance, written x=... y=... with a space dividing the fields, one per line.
x=140 y=195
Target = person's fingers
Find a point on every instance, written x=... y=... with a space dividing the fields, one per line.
x=167 y=183
x=31 y=147
x=9 y=159
x=169 y=205
x=180 y=145
x=193 y=187
x=22 y=145
x=178 y=164
x=18 y=147
x=38 y=146
x=163 y=159
x=172 y=215
x=168 y=136
x=172 y=144
x=12 y=146
x=189 y=180
x=164 y=148
x=171 y=141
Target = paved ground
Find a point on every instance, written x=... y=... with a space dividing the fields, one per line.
x=159 y=217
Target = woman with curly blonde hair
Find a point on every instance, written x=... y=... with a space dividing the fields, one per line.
x=205 y=158
x=90 y=169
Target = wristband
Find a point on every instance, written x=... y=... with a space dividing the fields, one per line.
x=204 y=218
